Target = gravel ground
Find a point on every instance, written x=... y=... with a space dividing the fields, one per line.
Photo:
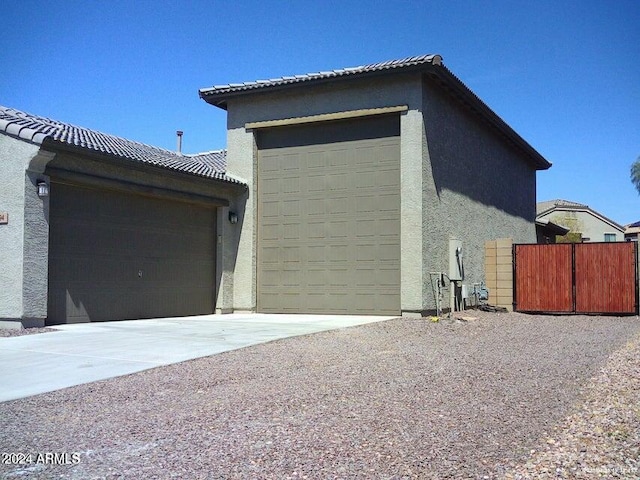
x=601 y=438
x=17 y=332
x=501 y=396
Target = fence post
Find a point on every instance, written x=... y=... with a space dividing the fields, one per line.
x=637 y=279
x=491 y=269
x=504 y=268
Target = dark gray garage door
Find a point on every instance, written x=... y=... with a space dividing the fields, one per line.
x=115 y=256
x=329 y=218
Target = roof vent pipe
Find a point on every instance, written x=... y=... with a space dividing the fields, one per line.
x=179 y=134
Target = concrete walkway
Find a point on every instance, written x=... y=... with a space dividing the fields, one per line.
x=86 y=352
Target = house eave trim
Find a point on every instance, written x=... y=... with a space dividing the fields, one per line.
x=474 y=103
x=60 y=175
x=326 y=117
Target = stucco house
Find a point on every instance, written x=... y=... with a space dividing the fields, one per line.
x=631 y=232
x=547 y=232
x=339 y=192
x=96 y=227
x=584 y=222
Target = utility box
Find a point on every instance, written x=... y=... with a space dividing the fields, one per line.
x=456 y=260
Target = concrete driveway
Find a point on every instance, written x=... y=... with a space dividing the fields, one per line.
x=86 y=352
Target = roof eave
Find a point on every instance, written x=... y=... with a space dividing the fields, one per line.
x=219 y=99
x=552 y=227
x=63 y=147
x=472 y=101
x=435 y=69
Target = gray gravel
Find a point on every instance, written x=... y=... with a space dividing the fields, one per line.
x=397 y=399
x=18 y=332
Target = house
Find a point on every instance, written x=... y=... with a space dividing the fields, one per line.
x=547 y=231
x=584 y=223
x=358 y=179
x=96 y=227
x=631 y=232
x=339 y=192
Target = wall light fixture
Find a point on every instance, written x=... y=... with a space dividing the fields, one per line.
x=43 y=188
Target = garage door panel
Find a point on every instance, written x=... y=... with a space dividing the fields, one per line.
x=337 y=229
x=291 y=185
x=272 y=231
x=291 y=231
x=365 y=277
x=337 y=204
x=121 y=256
x=315 y=229
x=340 y=222
x=316 y=206
x=290 y=208
x=271 y=277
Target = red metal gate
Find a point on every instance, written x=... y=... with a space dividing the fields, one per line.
x=581 y=278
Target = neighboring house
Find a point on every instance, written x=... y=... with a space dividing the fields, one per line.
x=547 y=231
x=340 y=192
x=631 y=232
x=584 y=223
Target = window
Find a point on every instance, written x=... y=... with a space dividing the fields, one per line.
x=609 y=237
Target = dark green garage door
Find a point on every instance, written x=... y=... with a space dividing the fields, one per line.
x=115 y=256
x=329 y=218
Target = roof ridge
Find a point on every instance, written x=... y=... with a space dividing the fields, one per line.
x=562 y=202
x=208 y=152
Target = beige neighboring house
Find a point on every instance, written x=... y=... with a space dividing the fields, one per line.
x=631 y=232
x=591 y=226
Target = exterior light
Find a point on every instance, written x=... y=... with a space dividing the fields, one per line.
x=233 y=217
x=43 y=188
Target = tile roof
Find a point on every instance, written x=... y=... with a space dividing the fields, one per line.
x=432 y=64
x=550 y=204
x=40 y=129
x=343 y=72
x=543 y=208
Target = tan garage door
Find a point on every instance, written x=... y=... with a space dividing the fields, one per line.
x=329 y=218
x=115 y=256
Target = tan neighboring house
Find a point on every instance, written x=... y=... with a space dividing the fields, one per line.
x=631 y=232
x=584 y=224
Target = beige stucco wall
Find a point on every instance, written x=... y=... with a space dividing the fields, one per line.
x=476 y=188
x=458 y=178
x=24 y=240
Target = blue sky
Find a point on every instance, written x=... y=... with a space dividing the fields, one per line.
x=564 y=74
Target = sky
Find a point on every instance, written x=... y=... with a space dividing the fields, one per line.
x=565 y=75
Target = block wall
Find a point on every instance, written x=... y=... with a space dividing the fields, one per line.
x=498 y=266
